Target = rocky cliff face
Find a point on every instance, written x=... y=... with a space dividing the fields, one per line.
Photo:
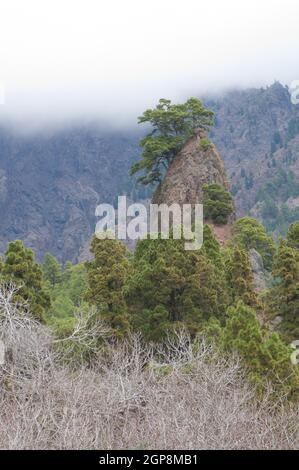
x=51 y=184
x=257 y=134
x=260 y=276
x=190 y=170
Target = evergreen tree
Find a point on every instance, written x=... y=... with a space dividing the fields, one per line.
x=250 y=233
x=211 y=247
x=240 y=277
x=172 y=125
x=217 y=203
x=172 y=287
x=285 y=293
x=106 y=276
x=264 y=353
x=20 y=268
x=67 y=294
x=293 y=235
x=51 y=269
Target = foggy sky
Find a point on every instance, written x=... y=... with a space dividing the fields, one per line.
x=109 y=59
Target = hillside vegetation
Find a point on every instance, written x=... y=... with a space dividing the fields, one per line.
x=50 y=183
x=160 y=347
x=125 y=398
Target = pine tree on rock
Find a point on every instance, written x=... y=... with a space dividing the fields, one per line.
x=171 y=126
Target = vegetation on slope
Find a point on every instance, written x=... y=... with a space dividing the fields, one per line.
x=125 y=398
x=171 y=127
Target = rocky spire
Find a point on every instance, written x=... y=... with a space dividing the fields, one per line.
x=198 y=163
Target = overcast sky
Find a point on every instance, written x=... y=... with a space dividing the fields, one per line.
x=61 y=59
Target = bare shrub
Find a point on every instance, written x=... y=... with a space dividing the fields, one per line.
x=88 y=334
x=179 y=397
x=26 y=342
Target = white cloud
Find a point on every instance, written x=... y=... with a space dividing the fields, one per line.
x=62 y=58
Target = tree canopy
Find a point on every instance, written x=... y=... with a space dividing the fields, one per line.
x=293 y=235
x=171 y=126
x=106 y=276
x=172 y=287
x=285 y=293
x=51 y=269
x=20 y=268
x=217 y=203
x=250 y=233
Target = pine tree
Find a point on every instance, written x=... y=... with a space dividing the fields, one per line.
x=66 y=294
x=51 y=269
x=217 y=203
x=20 y=268
x=211 y=247
x=240 y=277
x=285 y=293
x=250 y=233
x=293 y=235
x=171 y=126
x=106 y=275
x=265 y=355
x=172 y=287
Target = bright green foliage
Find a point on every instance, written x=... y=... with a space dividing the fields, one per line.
x=172 y=287
x=74 y=282
x=66 y=294
x=106 y=275
x=51 y=269
x=204 y=144
x=243 y=334
x=219 y=257
x=211 y=247
x=217 y=203
x=62 y=307
x=293 y=235
x=172 y=125
x=265 y=355
x=20 y=268
x=285 y=293
x=250 y=233
x=240 y=277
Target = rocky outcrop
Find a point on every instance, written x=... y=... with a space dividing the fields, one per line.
x=193 y=167
x=261 y=277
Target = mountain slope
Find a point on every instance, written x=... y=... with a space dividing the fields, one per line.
x=50 y=184
x=257 y=135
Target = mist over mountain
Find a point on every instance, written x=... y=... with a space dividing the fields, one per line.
x=52 y=181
